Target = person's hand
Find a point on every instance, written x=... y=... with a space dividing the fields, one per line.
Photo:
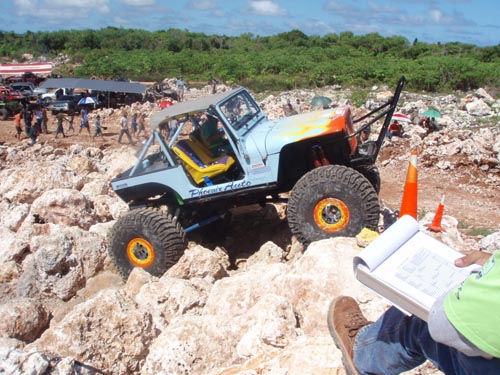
x=472 y=257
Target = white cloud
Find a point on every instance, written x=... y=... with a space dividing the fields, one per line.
x=439 y=17
x=267 y=8
x=121 y=21
x=340 y=8
x=376 y=7
x=56 y=9
x=139 y=3
x=202 y=4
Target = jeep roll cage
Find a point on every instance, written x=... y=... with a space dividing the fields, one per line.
x=371 y=150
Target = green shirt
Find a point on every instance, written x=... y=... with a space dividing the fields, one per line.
x=474 y=307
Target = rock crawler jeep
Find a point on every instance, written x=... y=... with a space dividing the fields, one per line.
x=187 y=176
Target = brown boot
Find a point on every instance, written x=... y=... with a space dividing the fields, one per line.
x=345 y=319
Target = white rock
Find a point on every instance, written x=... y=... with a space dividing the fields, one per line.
x=108 y=332
x=64 y=206
x=478 y=108
x=23 y=318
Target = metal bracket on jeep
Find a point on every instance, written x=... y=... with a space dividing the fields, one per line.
x=387 y=109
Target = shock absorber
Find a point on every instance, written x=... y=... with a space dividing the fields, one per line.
x=316 y=160
x=319 y=156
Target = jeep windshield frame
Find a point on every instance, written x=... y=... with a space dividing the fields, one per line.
x=189 y=107
x=239 y=110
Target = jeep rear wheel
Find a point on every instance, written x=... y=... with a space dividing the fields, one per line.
x=146 y=238
x=332 y=201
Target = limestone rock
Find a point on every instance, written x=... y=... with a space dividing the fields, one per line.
x=242 y=291
x=169 y=297
x=321 y=274
x=23 y=318
x=61 y=262
x=64 y=206
x=268 y=253
x=490 y=243
x=199 y=262
x=81 y=165
x=192 y=345
x=13 y=214
x=478 y=108
x=108 y=332
x=28 y=182
x=271 y=324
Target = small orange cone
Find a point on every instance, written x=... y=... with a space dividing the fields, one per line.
x=436 y=222
x=410 y=194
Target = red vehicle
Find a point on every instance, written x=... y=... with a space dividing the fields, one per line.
x=7 y=94
x=10 y=102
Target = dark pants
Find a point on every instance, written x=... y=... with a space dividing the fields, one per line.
x=396 y=343
x=32 y=134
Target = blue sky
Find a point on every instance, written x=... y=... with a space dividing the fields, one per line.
x=466 y=21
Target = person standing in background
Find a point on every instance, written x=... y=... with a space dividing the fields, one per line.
x=141 y=121
x=84 y=122
x=124 y=129
x=180 y=89
x=133 y=123
x=98 y=127
x=17 y=123
x=45 y=120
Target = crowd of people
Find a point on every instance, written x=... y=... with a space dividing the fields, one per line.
x=33 y=120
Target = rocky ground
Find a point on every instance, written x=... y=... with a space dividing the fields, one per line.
x=252 y=302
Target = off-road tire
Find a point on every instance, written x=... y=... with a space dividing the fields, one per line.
x=146 y=238
x=372 y=174
x=332 y=201
x=4 y=114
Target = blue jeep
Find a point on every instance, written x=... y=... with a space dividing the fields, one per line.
x=209 y=155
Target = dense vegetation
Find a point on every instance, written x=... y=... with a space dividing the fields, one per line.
x=283 y=61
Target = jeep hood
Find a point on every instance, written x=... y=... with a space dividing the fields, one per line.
x=304 y=126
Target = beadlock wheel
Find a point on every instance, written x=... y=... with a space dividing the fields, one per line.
x=332 y=201
x=146 y=238
x=331 y=214
x=140 y=252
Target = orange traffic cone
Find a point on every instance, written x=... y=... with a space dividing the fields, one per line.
x=436 y=222
x=410 y=194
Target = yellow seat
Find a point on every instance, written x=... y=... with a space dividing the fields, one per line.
x=201 y=150
x=196 y=166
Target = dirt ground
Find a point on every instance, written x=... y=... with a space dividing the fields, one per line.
x=475 y=207
x=468 y=197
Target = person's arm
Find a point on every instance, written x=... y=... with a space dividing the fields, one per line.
x=440 y=327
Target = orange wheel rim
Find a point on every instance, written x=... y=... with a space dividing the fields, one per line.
x=331 y=215
x=140 y=252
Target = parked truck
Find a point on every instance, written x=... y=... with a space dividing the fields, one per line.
x=52 y=96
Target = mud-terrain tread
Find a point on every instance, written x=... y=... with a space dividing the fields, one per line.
x=159 y=228
x=334 y=181
x=372 y=174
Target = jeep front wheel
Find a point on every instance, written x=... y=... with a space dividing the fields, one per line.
x=332 y=201
x=146 y=238
x=372 y=174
